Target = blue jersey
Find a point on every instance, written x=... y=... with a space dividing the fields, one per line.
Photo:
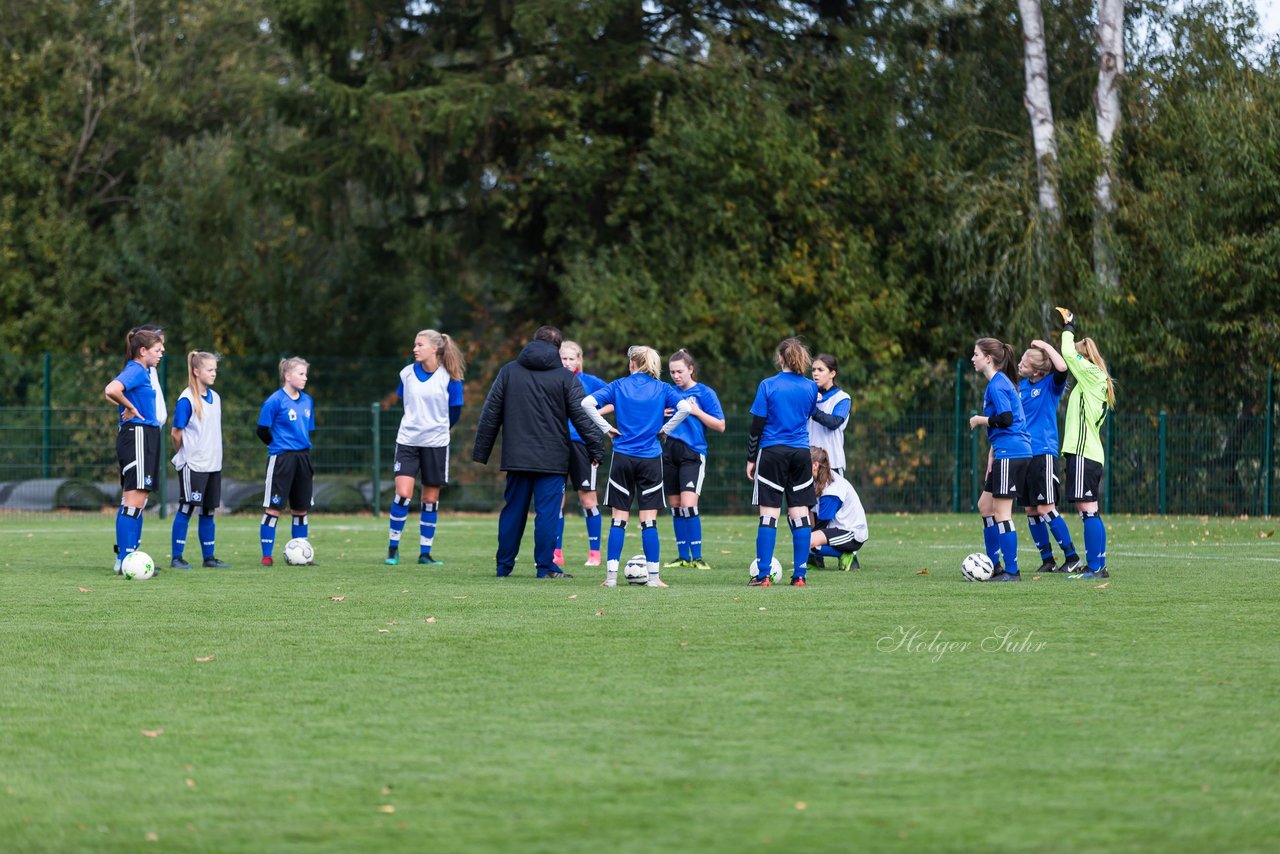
x=590 y=385
x=638 y=404
x=139 y=392
x=290 y=421
x=692 y=431
x=1040 y=405
x=785 y=400
x=1012 y=442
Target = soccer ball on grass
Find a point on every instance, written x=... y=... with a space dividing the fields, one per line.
x=298 y=552
x=977 y=567
x=637 y=570
x=137 y=565
x=775 y=570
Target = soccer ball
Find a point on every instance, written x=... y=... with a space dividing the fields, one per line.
x=775 y=571
x=977 y=567
x=137 y=565
x=298 y=552
x=637 y=570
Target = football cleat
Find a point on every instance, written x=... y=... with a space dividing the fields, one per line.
x=656 y=582
x=393 y=556
x=760 y=582
x=1071 y=564
x=558 y=557
x=1005 y=576
x=555 y=573
x=179 y=562
x=848 y=561
x=1048 y=566
x=213 y=563
x=593 y=558
x=116 y=567
x=1090 y=573
x=676 y=564
x=267 y=561
x=796 y=581
x=699 y=563
x=425 y=559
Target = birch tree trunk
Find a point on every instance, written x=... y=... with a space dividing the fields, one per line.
x=1039 y=107
x=1107 y=109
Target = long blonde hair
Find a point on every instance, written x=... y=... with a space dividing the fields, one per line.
x=1087 y=348
x=447 y=352
x=646 y=359
x=195 y=359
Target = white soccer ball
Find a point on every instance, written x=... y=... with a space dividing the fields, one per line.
x=637 y=570
x=775 y=571
x=298 y=552
x=137 y=565
x=977 y=567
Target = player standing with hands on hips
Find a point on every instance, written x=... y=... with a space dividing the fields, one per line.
x=431 y=389
x=1088 y=405
x=1010 y=453
x=285 y=425
x=138 y=436
x=197 y=438
x=778 y=460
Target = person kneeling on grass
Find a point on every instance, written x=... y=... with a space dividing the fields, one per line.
x=841 y=529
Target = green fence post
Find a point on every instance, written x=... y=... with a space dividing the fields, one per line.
x=958 y=480
x=46 y=418
x=1164 y=461
x=1268 y=439
x=1106 y=492
x=376 y=411
x=974 y=487
x=164 y=452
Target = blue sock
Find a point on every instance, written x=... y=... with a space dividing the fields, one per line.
x=399 y=515
x=1040 y=536
x=299 y=530
x=650 y=541
x=1095 y=540
x=991 y=539
x=766 y=541
x=1009 y=546
x=800 y=530
x=267 y=533
x=181 y=520
x=829 y=550
x=128 y=529
x=1061 y=533
x=427 y=526
x=205 y=526
x=593 y=528
x=617 y=539
x=694 y=533
x=678 y=527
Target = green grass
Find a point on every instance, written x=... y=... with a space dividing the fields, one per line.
x=555 y=715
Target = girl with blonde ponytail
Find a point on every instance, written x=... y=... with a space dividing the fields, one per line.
x=431 y=391
x=197 y=438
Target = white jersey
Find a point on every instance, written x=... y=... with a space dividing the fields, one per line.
x=162 y=414
x=202 y=437
x=850 y=516
x=426 y=409
x=831 y=441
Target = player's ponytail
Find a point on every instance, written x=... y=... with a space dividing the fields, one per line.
x=645 y=359
x=1087 y=348
x=1001 y=355
x=1010 y=364
x=197 y=359
x=793 y=356
x=822 y=477
x=451 y=358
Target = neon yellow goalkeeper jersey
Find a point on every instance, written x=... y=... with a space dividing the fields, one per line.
x=1086 y=406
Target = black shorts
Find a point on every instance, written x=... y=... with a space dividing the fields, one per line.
x=1084 y=478
x=635 y=478
x=430 y=464
x=289 y=478
x=138 y=450
x=1040 y=481
x=201 y=489
x=843 y=541
x=780 y=471
x=582 y=475
x=683 y=468
x=1006 y=477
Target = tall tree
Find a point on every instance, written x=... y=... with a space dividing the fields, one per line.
x=1110 y=34
x=1040 y=106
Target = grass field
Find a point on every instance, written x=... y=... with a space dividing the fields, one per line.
x=356 y=707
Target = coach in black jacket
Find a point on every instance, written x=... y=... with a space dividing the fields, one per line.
x=532 y=401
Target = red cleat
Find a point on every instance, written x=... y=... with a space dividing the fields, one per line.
x=266 y=561
x=797 y=582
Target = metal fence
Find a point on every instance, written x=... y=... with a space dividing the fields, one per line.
x=64 y=458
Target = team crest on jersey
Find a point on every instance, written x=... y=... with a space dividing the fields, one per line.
x=306 y=412
x=293 y=415
x=1035 y=392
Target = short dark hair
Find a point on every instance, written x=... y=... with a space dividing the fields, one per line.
x=549 y=334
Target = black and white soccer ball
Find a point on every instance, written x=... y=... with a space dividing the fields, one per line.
x=977 y=567
x=637 y=570
x=298 y=552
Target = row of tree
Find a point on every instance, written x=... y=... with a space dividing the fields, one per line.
x=329 y=176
